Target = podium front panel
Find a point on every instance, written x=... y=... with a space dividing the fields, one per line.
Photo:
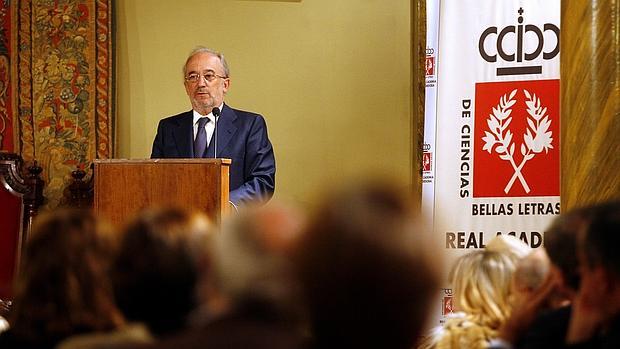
x=125 y=187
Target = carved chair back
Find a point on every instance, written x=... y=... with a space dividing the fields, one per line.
x=21 y=194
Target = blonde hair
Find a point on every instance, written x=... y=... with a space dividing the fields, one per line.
x=510 y=245
x=481 y=282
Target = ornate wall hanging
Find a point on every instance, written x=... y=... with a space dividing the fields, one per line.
x=59 y=109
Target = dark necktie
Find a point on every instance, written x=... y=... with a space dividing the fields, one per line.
x=200 y=143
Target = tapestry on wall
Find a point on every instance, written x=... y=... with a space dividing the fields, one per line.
x=59 y=109
x=6 y=113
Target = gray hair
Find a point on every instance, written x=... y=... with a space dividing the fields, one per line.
x=203 y=49
x=532 y=270
x=245 y=266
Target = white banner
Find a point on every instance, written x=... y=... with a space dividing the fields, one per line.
x=497 y=145
x=430 y=111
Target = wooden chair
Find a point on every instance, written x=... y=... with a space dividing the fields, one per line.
x=21 y=194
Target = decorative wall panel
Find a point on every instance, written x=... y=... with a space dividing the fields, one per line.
x=62 y=85
x=6 y=96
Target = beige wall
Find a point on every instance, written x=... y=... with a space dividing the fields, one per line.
x=331 y=77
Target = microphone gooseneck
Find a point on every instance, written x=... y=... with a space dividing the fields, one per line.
x=216 y=114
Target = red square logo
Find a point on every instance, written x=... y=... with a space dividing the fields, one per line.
x=517 y=139
x=427 y=158
x=447 y=305
x=430 y=65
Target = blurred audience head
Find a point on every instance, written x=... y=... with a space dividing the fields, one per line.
x=156 y=273
x=509 y=245
x=482 y=289
x=252 y=265
x=561 y=247
x=601 y=238
x=529 y=275
x=599 y=260
x=481 y=282
x=366 y=269
x=62 y=288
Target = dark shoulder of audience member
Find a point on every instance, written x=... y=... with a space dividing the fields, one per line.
x=62 y=286
x=155 y=274
x=364 y=270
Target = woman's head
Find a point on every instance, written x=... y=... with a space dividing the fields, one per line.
x=482 y=285
x=62 y=287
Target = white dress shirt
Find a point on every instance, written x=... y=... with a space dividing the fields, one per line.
x=209 y=126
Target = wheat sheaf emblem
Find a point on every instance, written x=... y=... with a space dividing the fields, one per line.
x=499 y=137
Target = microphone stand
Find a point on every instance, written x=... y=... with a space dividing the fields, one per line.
x=216 y=114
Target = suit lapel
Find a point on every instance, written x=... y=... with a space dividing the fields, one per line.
x=225 y=128
x=184 y=134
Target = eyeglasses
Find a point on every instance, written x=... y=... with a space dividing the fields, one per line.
x=195 y=77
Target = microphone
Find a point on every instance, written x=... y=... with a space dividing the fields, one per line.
x=216 y=113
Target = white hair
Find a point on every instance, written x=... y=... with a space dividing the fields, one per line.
x=203 y=49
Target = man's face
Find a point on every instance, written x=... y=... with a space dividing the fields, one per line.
x=205 y=95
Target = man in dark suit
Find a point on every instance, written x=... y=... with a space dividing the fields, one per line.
x=241 y=136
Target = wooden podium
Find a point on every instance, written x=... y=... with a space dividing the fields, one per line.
x=124 y=187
